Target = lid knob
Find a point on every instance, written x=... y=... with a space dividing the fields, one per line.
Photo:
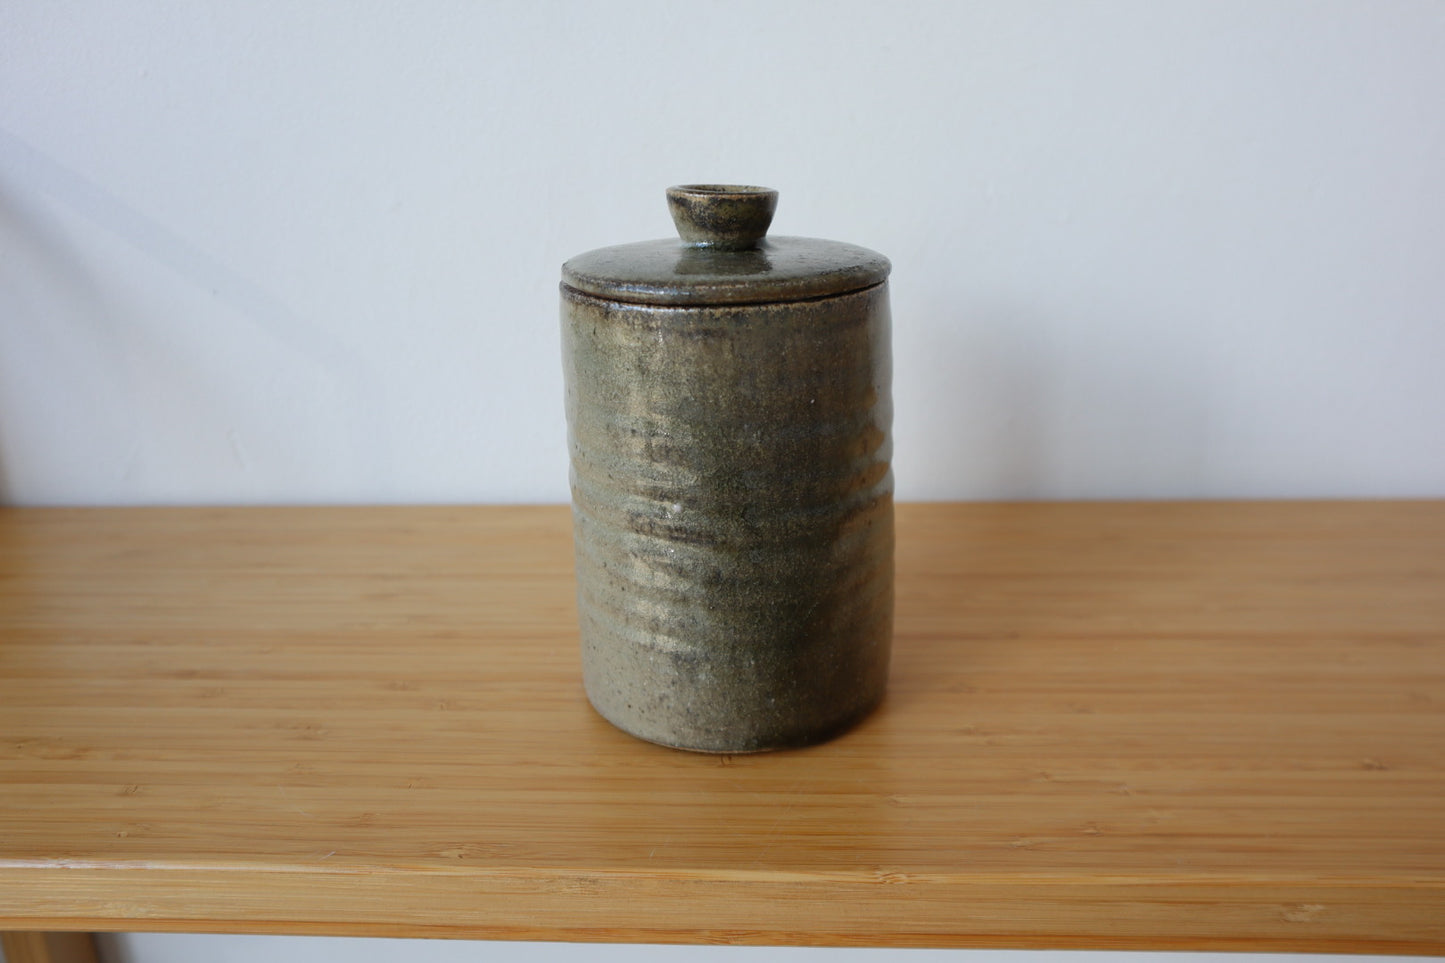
x=729 y=217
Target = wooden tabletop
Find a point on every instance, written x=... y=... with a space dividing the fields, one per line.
x=1169 y=725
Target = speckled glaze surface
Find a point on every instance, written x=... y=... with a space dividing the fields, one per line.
x=732 y=499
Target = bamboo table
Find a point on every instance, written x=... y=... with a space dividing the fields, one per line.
x=1167 y=725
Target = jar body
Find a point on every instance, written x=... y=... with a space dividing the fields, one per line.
x=733 y=515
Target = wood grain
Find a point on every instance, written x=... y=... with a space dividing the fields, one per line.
x=1210 y=726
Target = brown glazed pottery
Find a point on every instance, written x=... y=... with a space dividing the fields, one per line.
x=728 y=411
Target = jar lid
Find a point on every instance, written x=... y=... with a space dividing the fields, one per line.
x=723 y=256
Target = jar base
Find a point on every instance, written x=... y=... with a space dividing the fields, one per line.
x=792 y=740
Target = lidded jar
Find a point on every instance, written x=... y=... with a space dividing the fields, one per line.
x=729 y=412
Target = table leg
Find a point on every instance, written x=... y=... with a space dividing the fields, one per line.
x=48 y=947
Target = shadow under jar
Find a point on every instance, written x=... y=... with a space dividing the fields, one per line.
x=729 y=413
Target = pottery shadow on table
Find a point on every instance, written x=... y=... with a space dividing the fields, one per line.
x=710 y=808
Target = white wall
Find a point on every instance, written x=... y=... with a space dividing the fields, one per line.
x=271 y=251
x=308 y=252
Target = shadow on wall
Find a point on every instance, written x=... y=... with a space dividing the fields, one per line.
x=7 y=491
x=1022 y=406
x=94 y=371
x=69 y=378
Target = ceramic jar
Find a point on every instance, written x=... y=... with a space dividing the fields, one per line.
x=728 y=411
